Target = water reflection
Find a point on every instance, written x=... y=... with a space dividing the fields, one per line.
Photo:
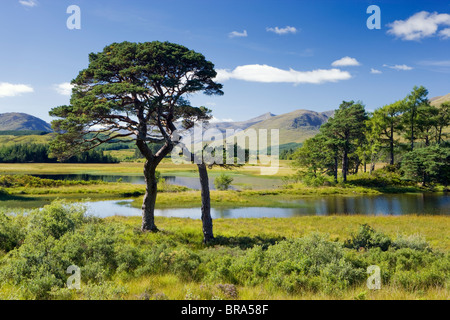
x=399 y=204
x=422 y=204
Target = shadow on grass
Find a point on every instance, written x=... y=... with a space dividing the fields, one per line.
x=245 y=242
x=4 y=196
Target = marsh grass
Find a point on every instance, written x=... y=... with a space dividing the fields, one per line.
x=265 y=258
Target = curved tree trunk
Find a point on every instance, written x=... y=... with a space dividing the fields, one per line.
x=148 y=206
x=345 y=166
x=206 y=204
x=391 y=145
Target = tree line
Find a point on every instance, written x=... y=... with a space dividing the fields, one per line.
x=40 y=153
x=408 y=134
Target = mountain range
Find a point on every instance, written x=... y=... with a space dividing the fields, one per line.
x=295 y=126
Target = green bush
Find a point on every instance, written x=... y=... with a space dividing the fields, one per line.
x=413 y=242
x=223 y=182
x=56 y=219
x=11 y=232
x=368 y=238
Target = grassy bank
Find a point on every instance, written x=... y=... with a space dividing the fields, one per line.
x=129 y=168
x=35 y=189
x=293 y=258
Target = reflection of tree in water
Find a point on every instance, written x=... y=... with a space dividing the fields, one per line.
x=222 y=213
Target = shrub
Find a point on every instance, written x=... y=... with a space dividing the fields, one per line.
x=11 y=232
x=413 y=242
x=367 y=238
x=56 y=219
x=223 y=182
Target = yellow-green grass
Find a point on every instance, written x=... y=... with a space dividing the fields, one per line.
x=176 y=289
x=128 y=168
x=110 y=188
x=37 y=139
x=120 y=154
x=433 y=228
x=170 y=286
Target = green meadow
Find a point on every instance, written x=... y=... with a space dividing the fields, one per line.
x=264 y=258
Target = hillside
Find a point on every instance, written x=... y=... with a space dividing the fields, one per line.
x=437 y=101
x=21 y=121
x=295 y=126
x=222 y=126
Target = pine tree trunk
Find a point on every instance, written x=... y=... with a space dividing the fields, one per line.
x=206 y=204
x=335 y=168
x=148 y=206
x=391 y=142
x=344 y=166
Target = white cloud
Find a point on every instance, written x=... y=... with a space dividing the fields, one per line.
x=214 y=119
x=375 y=71
x=28 y=3
x=282 y=31
x=12 y=90
x=445 y=33
x=268 y=74
x=402 y=67
x=420 y=25
x=64 y=89
x=345 y=62
x=238 y=34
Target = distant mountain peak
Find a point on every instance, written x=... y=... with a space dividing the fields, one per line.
x=17 y=121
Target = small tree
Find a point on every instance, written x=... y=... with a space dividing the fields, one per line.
x=135 y=91
x=316 y=156
x=345 y=129
x=223 y=182
x=442 y=121
x=383 y=125
x=416 y=99
x=430 y=164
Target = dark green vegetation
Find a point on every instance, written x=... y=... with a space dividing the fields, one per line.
x=409 y=134
x=22 y=133
x=16 y=181
x=113 y=254
x=40 y=153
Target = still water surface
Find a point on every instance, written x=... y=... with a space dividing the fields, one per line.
x=421 y=204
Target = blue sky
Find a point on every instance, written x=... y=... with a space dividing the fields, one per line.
x=275 y=56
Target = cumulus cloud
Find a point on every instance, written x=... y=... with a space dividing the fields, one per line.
x=400 y=67
x=64 y=88
x=281 y=31
x=12 y=90
x=238 y=34
x=375 y=71
x=445 y=33
x=28 y=3
x=268 y=74
x=420 y=25
x=345 y=62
